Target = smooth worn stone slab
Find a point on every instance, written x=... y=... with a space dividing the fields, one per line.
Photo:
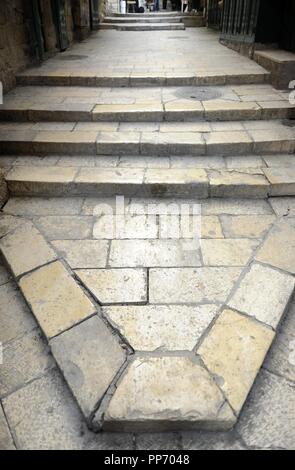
x=120 y=143
x=235 y=207
x=167 y=393
x=239 y=183
x=5 y=275
x=115 y=286
x=263 y=293
x=109 y=181
x=280 y=359
x=228 y=143
x=63 y=227
x=15 y=318
x=222 y=109
x=8 y=223
x=125 y=226
x=24 y=359
x=158 y=327
x=267 y=421
x=46 y=400
x=56 y=300
x=229 y=252
x=248 y=226
x=25 y=249
x=89 y=357
x=283 y=206
x=282 y=181
x=233 y=351
x=187 y=226
x=149 y=111
x=31 y=180
x=279 y=247
x=43 y=206
x=83 y=253
x=193 y=182
x=173 y=143
x=152 y=253
x=6 y=442
x=188 y=285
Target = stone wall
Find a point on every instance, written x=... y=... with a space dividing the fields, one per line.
x=3 y=189
x=15 y=52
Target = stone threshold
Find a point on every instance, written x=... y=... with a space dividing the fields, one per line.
x=252 y=183
x=120 y=389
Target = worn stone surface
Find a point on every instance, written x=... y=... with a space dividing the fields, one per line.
x=30 y=206
x=152 y=253
x=188 y=285
x=282 y=181
x=115 y=286
x=268 y=419
x=229 y=252
x=149 y=328
x=63 y=227
x=56 y=299
x=6 y=442
x=166 y=393
x=25 y=249
x=281 y=357
x=283 y=206
x=278 y=249
x=233 y=351
x=126 y=226
x=235 y=207
x=263 y=293
x=15 y=318
x=211 y=441
x=248 y=226
x=83 y=253
x=5 y=275
x=24 y=359
x=239 y=183
x=89 y=357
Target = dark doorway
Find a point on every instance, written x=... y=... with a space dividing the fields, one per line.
x=94 y=16
x=59 y=18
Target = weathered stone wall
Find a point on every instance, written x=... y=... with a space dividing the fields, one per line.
x=112 y=6
x=15 y=52
x=3 y=189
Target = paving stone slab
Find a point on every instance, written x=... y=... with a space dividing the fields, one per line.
x=191 y=182
x=30 y=206
x=263 y=293
x=278 y=248
x=152 y=253
x=83 y=253
x=26 y=249
x=238 y=183
x=6 y=441
x=283 y=206
x=55 y=298
x=282 y=181
x=15 y=318
x=156 y=328
x=126 y=226
x=187 y=285
x=63 y=227
x=148 y=397
x=229 y=252
x=24 y=359
x=234 y=351
x=246 y=226
x=89 y=356
x=115 y=286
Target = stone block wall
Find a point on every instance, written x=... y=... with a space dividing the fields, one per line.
x=15 y=51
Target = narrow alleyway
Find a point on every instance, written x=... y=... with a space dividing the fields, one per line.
x=160 y=325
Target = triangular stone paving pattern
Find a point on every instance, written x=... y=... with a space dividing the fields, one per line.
x=161 y=340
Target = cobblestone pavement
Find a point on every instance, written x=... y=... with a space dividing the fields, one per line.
x=124 y=113
x=32 y=389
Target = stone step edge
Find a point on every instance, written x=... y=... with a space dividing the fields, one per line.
x=129 y=80
x=95 y=144
x=200 y=183
x=253 y=112
x=143 y=26
x=131 y=20
x=93 y=418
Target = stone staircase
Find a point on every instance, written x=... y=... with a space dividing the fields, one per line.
x=160 y=21
x=244 y=123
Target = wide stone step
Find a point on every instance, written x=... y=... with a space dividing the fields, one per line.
x=230 y=102
x=165 y=141
x=143 y=19
x=143 y=26
x=151 y=182
x=37 y=77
